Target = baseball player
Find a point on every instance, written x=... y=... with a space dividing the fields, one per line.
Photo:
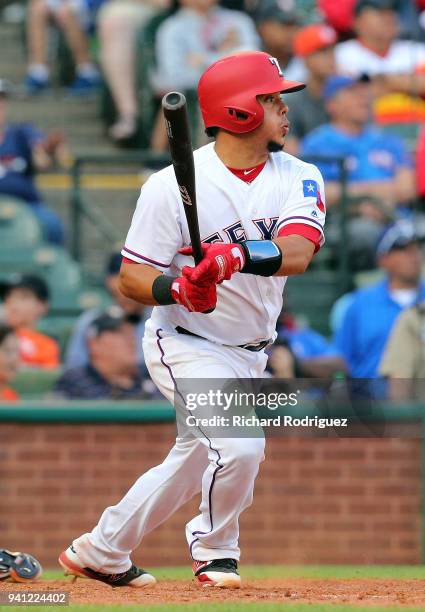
x=261 y=216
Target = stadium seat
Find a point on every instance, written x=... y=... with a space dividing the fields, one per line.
x=19 y=227
x=59 y=327
x=54 y=264
x=311 y=295
x=34 y=383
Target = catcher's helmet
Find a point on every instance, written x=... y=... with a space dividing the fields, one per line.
x=18 y=566
x=228 y=90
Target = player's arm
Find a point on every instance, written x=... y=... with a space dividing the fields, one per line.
x=284 y=256
x=136 y=282
x=299 y=236
x=147 y=285
x=297 y=253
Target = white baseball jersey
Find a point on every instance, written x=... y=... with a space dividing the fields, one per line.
x=287 y=191
x=403 y=56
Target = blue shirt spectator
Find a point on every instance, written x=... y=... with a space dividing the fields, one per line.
x=16 y=169
x=313 y=355
x=20 y=150
x=306 y=343
x=369 y=318
x=372 y=155
x=378 y=164
x=366 y=326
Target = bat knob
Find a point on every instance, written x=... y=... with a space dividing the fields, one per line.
x=173 y=100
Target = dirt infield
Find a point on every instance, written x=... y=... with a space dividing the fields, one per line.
x=354 y=591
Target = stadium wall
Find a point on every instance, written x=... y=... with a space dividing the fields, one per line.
x=317 y=501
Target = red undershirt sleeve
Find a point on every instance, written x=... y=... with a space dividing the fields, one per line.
x=311 y=233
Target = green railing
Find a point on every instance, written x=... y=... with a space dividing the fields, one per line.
x=76 y=411
x=52 y=411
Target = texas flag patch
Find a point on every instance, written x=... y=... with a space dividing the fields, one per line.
x=311 y=190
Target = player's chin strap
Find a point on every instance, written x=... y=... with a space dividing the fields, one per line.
x=262 y=257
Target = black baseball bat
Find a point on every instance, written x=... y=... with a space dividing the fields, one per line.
x=174 y=107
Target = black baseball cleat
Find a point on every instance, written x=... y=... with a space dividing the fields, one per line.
x=219 y=573
x=134 y=577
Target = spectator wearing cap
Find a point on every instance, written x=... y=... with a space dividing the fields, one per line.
x=9 y=363
x=113 y=371
x=26 y=301
x=369 y=319
x=314 y=44
x=396 y=66
x=77 y=354
x=197 y=35
x=277 y=23
x=378 y=163
x=24 y=148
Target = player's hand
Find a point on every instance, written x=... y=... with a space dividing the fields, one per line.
x=196 y=298
x=219 y=263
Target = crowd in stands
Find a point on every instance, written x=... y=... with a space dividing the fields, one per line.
x=364 y=65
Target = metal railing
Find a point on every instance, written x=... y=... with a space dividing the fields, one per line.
x=81 y=209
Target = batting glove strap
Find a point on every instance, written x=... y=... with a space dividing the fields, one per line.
x=262 y=257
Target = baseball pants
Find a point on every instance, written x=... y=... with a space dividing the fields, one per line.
x=223 y=469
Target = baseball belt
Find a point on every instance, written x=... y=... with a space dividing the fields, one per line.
x=250 y=346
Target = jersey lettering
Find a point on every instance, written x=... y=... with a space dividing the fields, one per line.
x=235 y=232
x=266 y=227
x=213 y=238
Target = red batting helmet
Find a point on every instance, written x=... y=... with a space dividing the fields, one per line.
x=228 y=90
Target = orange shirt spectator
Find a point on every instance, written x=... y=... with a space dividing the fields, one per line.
x=26 y=301
x=8 y=395
x=9 y=363
x=38 y=350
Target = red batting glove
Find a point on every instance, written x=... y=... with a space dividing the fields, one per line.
x=219 y=263
x=196 y=298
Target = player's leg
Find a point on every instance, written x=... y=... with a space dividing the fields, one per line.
x=149 y=502
x=228 y=481
x=159 y=492
x=154 y=496
x=163 y=489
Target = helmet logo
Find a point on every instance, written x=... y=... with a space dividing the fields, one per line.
x=274 y=61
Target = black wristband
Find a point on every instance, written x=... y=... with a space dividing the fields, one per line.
x=262 y=257
x=161 y=289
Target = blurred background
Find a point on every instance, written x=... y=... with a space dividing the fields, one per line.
x=80 y=131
